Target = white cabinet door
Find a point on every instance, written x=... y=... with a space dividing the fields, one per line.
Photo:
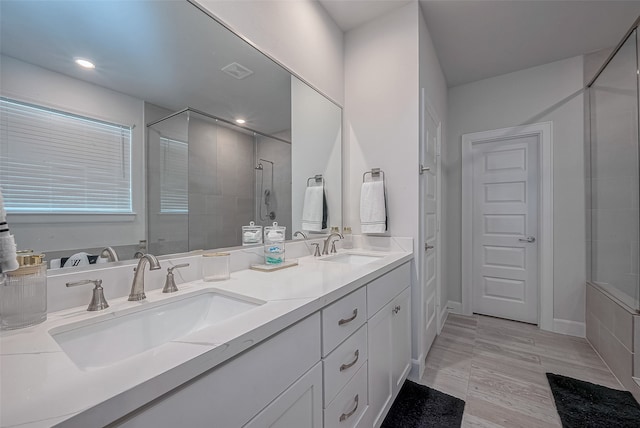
x=389 y=354
x=299 y=406
x=401 y=338
x=380 y=359
x=234 y=392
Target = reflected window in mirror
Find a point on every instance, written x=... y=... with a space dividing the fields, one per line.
x=55 y=162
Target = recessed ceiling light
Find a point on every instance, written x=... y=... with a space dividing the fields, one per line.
x=84 y=63
x=241 y=121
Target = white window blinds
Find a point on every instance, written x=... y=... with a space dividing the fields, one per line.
x=56 y=162
x=174 y=176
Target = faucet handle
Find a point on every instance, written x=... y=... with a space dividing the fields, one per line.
x=170 y=283
x=317 y=250
x=98 y=302
x=333 y=247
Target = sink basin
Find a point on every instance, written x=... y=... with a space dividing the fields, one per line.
x=352 y=258
x=102 y=341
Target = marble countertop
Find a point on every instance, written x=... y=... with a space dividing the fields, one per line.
x=40 y=386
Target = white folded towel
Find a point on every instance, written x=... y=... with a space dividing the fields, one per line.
x=373 y=209
x=312 y=211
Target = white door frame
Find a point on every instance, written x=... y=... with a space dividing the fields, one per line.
x=544 y=131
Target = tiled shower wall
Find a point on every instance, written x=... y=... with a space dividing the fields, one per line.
x=221 y=184
x=614 y=332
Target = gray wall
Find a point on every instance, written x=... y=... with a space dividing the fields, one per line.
x=550 y=92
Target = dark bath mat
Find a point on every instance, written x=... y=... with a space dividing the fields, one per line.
x=586 y=405
x=418 y=406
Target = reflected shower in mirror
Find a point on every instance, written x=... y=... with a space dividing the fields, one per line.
x=207 y=178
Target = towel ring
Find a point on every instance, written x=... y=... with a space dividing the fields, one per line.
x=375 y=173
x=318 y=178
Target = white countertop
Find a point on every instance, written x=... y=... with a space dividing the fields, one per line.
x=40 y=386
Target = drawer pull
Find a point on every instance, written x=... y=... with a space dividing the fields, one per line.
x=347 y=320
x=345 y=416
x=346 y=366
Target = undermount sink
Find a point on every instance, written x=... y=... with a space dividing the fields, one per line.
x=352 y=258
x=102 y=341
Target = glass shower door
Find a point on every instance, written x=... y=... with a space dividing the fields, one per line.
x=615 y=216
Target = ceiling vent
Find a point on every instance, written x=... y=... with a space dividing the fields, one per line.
x=237 y=70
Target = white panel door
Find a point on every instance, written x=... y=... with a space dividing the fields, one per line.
x=430 y=222
x=505 y=226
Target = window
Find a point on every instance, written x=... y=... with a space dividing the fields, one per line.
x=174 y=187
x=57 y=162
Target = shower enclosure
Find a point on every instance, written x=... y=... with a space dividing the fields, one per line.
x=206 y=178
x=613 y=289
x=615 y=219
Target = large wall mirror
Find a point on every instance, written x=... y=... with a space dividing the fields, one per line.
x=181 y=133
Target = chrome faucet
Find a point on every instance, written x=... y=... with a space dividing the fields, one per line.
x=110 y=253
x=325 y=248
x=301 y=233
x=137 y=287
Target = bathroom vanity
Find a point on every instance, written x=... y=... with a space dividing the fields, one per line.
x=326 y=343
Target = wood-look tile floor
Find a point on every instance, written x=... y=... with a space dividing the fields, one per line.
x=498 y=368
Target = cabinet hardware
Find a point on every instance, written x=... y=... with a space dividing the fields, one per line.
x=527 y=239
x=346 y=366
x=347 y=320
x=345 y=416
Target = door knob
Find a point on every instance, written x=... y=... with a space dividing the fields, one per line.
x=428 y=247
x=527 y=239
x=423 y=169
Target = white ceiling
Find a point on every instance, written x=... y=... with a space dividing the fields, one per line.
x=484 y=38
x=349 y=14
x=168 y=53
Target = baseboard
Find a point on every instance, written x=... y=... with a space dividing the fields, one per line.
x=444 y=313
x=454 y=307
x=571 y=328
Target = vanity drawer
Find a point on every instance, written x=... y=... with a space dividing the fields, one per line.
x=342 y=318
x=346 y=410
x=341 y=364
x=382 y=290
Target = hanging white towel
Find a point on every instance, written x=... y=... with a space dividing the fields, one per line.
x=312 y=211
x=373 y=209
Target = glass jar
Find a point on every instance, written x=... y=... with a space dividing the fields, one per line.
x=215 y=266
x=251 y=234
x=347 y=241
x=23 y=293
x=274 y=237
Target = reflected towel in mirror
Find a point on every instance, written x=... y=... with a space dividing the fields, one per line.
x=314 y=211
